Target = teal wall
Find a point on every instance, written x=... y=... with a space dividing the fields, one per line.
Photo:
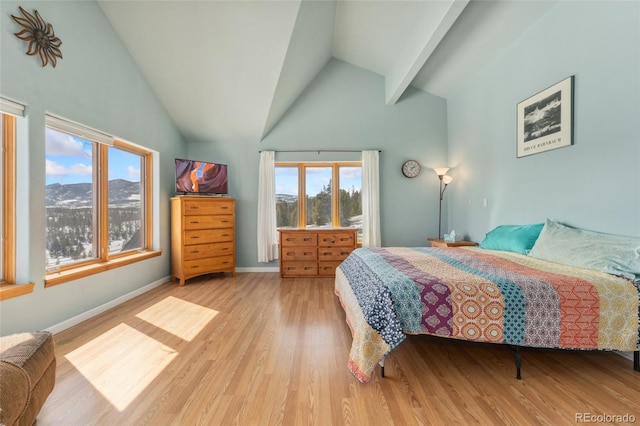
x=97 y=84
x=593 y=184
x=343 y=108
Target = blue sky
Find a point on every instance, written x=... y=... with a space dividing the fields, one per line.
x=69 y=160
x=317 y=178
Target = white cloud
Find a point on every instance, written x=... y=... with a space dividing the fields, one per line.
x=58 y=143
x=81 y=170
x=56 y=169
x=350 y=172
x=133 y=173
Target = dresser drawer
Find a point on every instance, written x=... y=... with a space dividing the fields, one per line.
x=207 y=222
x=209 y=264
x=298 y=239
x=208 y=236
x=328 y=269
x=206 y=207
x=299 y=269
x=200 y=251
x=333 y=239
x=333 y=253
x=299 y=253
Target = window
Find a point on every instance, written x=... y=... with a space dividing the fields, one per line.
x=10 y=113
x=287 y=200
x=98 y=204
x=7 y=212
x=319 y=194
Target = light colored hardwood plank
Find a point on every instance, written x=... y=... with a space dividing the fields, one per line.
x=256 y=349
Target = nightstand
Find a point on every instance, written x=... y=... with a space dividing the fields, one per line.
x=435 y=242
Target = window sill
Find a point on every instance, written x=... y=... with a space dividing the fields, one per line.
x=62 y=277
x=8 y=291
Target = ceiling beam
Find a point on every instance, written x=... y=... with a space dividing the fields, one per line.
x=416 y=52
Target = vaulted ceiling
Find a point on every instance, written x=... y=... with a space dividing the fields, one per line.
x=227 y=71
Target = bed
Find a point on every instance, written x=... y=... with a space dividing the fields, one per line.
x=500 y=296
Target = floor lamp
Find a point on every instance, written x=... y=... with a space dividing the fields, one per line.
x=445 y=180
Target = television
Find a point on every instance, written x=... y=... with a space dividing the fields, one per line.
x=201 y=177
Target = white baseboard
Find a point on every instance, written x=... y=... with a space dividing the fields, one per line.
x=627 y=355
x=259 y=269
x=57 y=328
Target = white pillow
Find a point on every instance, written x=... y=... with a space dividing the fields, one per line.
x=613 y=254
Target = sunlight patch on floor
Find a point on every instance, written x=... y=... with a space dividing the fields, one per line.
x=121 y=363
x=178 y=317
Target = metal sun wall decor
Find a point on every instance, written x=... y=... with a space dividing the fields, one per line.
x=42 y=40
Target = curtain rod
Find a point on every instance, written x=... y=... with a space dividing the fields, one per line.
x=323 y=150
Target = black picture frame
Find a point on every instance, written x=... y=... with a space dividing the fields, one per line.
x=545 y=120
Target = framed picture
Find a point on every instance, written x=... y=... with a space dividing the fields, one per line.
x=545 y=120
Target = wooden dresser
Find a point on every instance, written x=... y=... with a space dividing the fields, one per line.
x=202 y=236
x=314 y=252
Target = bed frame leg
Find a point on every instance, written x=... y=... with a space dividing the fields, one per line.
x=636 y=360
x=381 y=362
x=518 y=363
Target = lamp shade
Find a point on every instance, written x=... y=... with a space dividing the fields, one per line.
x=446 y=179
x=441 y=171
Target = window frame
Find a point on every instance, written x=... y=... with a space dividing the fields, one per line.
x=146 y=189
x=104 y=261
x=335 y=186
x=8 y=286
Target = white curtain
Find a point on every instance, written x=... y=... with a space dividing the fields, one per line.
x=371 y=199
x=267 y=233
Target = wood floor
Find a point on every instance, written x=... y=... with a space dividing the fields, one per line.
x=259 y=350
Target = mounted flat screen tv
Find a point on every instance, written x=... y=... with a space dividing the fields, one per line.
x=201 y=177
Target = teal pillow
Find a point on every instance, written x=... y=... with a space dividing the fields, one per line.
x=515 y=238
x=613 y=254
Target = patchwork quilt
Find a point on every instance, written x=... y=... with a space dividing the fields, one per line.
x=480 y=295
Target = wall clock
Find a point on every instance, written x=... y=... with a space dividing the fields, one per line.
x=411 y=168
